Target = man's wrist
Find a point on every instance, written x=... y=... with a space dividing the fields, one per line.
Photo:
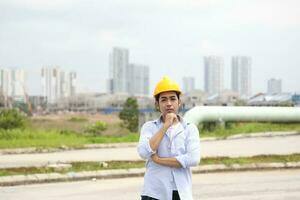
x=165 y=127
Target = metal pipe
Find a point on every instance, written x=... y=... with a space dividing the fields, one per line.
x=242 y=113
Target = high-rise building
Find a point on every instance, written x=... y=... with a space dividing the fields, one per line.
x=138 y=79
x=12 y=82
x=213 y=74
x=5 y=82
x=188 y=84
x=57 y=84
x=18 y=82
x=241 y=75
x=71 y=87
x=274 y=86
x=50 y=83
x=126 y=78
x=118 y=70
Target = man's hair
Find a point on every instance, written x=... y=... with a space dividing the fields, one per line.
x=157 y=96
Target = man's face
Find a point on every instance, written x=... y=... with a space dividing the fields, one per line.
x=168 y=102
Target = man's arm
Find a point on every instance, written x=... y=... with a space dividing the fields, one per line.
x=192 y=155
x=148 y=143
x=170 y=162
x=190 y=158
x=157 y=137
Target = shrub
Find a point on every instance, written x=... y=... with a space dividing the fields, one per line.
x=207 y=126
x=11 y=119
x=97 y=128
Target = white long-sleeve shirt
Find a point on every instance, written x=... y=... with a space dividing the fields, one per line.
x=184 y=145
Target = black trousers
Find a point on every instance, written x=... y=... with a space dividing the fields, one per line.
x=175 y=196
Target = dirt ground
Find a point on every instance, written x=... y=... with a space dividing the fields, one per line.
x=108 y=118
x=78 y=122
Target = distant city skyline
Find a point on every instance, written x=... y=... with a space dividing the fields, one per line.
x=212 y=72
x=171 y=37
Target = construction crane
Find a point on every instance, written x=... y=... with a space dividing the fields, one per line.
x=27 y=100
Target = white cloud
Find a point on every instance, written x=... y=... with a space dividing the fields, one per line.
x=106 y=37
x=208 y=47
x=41 y=4
x=192 y=3
x=274 y=13
x=159 y=33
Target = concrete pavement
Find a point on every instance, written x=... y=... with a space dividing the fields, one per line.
x=249 y=146
x=256 y=144
x=267 y=185
x=122 y=173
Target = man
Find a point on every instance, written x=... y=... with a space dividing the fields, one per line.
x=170 y=147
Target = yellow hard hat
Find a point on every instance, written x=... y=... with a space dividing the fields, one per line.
x=165 y=85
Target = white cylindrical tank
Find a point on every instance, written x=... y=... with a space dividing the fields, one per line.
x=242 y=113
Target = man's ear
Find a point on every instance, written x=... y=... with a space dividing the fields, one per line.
x=179 y=102
x=157 y=106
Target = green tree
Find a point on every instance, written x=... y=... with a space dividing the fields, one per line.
x=130 y=114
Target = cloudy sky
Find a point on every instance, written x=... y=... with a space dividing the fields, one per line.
x=170 y=36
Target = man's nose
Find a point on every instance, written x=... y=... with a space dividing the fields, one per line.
x=168 y=102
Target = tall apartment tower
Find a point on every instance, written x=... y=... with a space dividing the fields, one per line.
x=50 y=83
x=71 y=86
x=57 y=83
x=241 y=75
x=138 y=79
x=126 y=78
x=12 y=82
x=118 y=70
x=274 y=86
x=188 y=84
x=213 y=74
x=5 y=82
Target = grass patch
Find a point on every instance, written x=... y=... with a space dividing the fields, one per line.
x=39 y=138
x=71 y=134
x=76 y=167
x=19 y=138
x=93 y=166
x=131 y=137
x=253 y=159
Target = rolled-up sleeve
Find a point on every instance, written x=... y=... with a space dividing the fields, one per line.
x=192 y=155
x=144 y=149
